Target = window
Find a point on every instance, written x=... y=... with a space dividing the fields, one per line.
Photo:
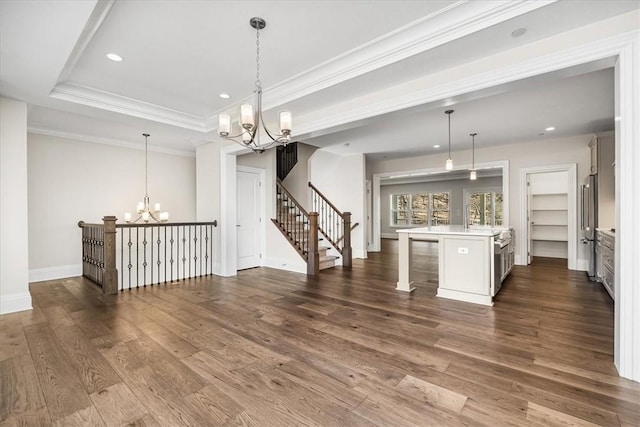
x=485 y=208
x=420 y=209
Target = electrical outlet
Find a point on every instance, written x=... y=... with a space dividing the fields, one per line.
x=464 y=251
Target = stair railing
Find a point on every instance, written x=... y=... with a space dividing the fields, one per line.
x=332 y=223
x=286 y=159
x=298 y=226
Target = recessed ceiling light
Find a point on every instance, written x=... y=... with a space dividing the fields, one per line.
x=225 y=96
x=518 y=32
x=114 y=57
x=550 y=129
x=436 y=146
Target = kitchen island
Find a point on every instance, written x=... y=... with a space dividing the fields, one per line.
x=465 y=261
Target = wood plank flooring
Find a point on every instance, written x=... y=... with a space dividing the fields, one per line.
x=271 y=348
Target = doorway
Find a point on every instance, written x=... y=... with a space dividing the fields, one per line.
x=548 y=214
x=249 y=223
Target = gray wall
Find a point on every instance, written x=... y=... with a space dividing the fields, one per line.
x=455 y=188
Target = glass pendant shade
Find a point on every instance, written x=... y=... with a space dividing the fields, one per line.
x=224 y=124
x=473 y=175
x=449 y=165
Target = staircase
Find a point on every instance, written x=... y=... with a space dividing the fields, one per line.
x=304 y=230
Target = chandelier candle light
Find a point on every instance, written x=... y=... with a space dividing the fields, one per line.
x=449 y=164
x=144 y=208
x=251 y=119
x=473 y=175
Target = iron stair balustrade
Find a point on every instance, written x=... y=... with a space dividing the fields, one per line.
x=298 y=226
x=332 y=223
x=286 y=159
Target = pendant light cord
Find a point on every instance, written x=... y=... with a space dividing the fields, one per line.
x=146 y=165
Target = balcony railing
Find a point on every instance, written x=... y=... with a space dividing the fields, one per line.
x=125 y=256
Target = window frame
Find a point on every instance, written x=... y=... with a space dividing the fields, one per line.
x=409 y=211
x=493 y=190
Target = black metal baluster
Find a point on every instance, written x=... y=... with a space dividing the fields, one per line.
x=172 y=260
x=158 y=262
x=151 y=260
x=206 y=249
x=165 y=254
x=195 y=251
x=137 y=257
x=121 y=259
x=144 y=258
x=178 y=253
x=184 y=240
x=129 y=265
x=200 y=227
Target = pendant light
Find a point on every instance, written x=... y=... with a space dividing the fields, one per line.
x=449 y=164
x=144 y=210
x=473 y=175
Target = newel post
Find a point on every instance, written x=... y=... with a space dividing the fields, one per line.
x=110 y=284
x=313 y=257
x=346 y=248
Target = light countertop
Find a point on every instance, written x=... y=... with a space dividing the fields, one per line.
x=454 y=229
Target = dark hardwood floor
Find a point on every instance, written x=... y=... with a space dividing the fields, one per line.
x=271 y=348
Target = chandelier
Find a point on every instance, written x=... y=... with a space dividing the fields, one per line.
x=251 y=119
x=143 y=209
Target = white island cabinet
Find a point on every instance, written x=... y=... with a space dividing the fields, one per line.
x=465 y=264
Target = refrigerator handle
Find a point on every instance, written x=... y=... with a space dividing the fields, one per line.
x=585 y=209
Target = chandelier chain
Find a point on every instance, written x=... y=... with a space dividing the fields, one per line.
x=146 y=166
x=258 y=82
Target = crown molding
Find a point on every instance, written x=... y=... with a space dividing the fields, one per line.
x=457 y=20
x=79 y=94
x=441 y=27
x=40 y=130
x=97 y=17
x=561 y=59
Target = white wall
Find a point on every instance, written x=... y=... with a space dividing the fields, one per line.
x=521 y=155
x=341 y=178
x=208 y=192
x=72 y=180
x=455 y=188
x=14 y=249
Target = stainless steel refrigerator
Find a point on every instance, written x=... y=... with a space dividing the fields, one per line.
x=589 y=220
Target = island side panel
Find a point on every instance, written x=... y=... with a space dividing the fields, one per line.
x=404 y=263
x=465 y=268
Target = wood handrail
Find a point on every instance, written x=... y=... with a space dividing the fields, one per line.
x=325 y=199
x=82 y=224
x=297 y=203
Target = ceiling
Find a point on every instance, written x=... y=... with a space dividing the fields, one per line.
x=180 y=55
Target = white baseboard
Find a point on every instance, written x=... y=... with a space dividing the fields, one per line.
x=582 y=264
x=53 y=273
x=13 y=303
x=286 y=264
x=360 y=254
x=517 y=261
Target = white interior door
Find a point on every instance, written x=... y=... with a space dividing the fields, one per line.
x=249 y=218
x=529 y=248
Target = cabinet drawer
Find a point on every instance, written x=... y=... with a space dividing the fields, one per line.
x=608 y=260
x=608 y=280
x=608 y=241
